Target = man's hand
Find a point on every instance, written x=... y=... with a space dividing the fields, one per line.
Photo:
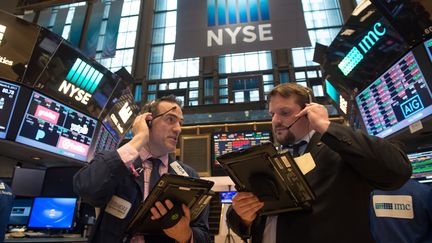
x=317 y=115
x=181 y=232
x=246 y=205
x=140 y=131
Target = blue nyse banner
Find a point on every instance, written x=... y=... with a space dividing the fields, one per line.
x=217 y=27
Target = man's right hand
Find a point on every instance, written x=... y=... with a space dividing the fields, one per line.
x=246 y=205
x=140 y=131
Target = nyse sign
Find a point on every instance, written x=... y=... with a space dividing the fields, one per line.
x=240 y=34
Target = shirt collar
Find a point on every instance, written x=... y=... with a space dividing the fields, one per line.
x=307 y=137
x=144 y=155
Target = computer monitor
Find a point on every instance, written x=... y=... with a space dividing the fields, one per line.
x=27 y=182
x=17 y=40
x=226 y=142
x=52 y=213
x=397 y=99
x=421 y=163
x=226 y=197
x=106 y=141
x=428 y=46
x=20 y=211
x=8 y=97
x=49 y=125
x=58 y=182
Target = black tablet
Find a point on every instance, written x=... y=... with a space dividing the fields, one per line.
x=193 y=192
x=274 y=178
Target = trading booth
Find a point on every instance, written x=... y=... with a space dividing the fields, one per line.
x=381 y=61
x=58 y=108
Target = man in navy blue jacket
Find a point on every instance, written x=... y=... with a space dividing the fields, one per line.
x=403 y=215
x=346 y=166
x=118 y=181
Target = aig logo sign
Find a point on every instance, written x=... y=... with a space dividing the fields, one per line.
x=412 y=106
x=239 y=20
x=81 y=81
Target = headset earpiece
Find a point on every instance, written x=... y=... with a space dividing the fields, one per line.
x=149 y=107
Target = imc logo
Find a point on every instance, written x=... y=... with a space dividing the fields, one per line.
x=412 y=106
x=2 y=32
x=356 y=54
x=83 y=81
x=222 y=13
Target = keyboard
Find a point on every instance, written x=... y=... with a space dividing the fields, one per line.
x=41 y=235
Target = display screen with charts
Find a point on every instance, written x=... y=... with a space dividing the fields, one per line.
x=274 y=178
x=8 y=97
x=395 y=100
x=54 y=127
x=421 y=163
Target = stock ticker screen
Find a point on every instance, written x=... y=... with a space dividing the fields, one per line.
x=232 y=141
x=421 y=163
x=54 y=127
x=8 y=98
x=106 y=141
x=398 y=98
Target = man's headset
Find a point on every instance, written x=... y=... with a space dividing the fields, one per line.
x=151 y=107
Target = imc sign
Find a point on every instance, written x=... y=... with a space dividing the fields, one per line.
x=356 y=54
x=81 y=82
x=217 y=27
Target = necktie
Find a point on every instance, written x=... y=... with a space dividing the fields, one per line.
x=154 y=175
x=296 y=148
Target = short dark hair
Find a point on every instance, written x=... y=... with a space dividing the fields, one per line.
x=153 y=105
x=286 y=90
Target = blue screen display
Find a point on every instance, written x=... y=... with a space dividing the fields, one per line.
x=226 y=197
x=52 y=213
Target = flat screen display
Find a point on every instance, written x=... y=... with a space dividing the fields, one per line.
x=398 y=98
x=17 y=39
x=45 y=47
x=106 y=141
x=8 y=97
x=122 y=111
x=428 y=46
x=27 y=182
x=366 y=46
x=226 y=197
x=77 y=81
x=54 y=127
x=232 y=141
x=58 y=182
x=20 y=211
x=421 y=163
x=52 y=213
x=412 y=18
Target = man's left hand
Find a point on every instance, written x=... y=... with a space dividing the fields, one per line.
x=181 y=232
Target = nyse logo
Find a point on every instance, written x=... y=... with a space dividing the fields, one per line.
x=356 y=54
x=412 y=106
x=83 y=81
x=247 y=18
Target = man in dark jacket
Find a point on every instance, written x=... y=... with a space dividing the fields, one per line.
x=346 y=166
x=118 y=181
